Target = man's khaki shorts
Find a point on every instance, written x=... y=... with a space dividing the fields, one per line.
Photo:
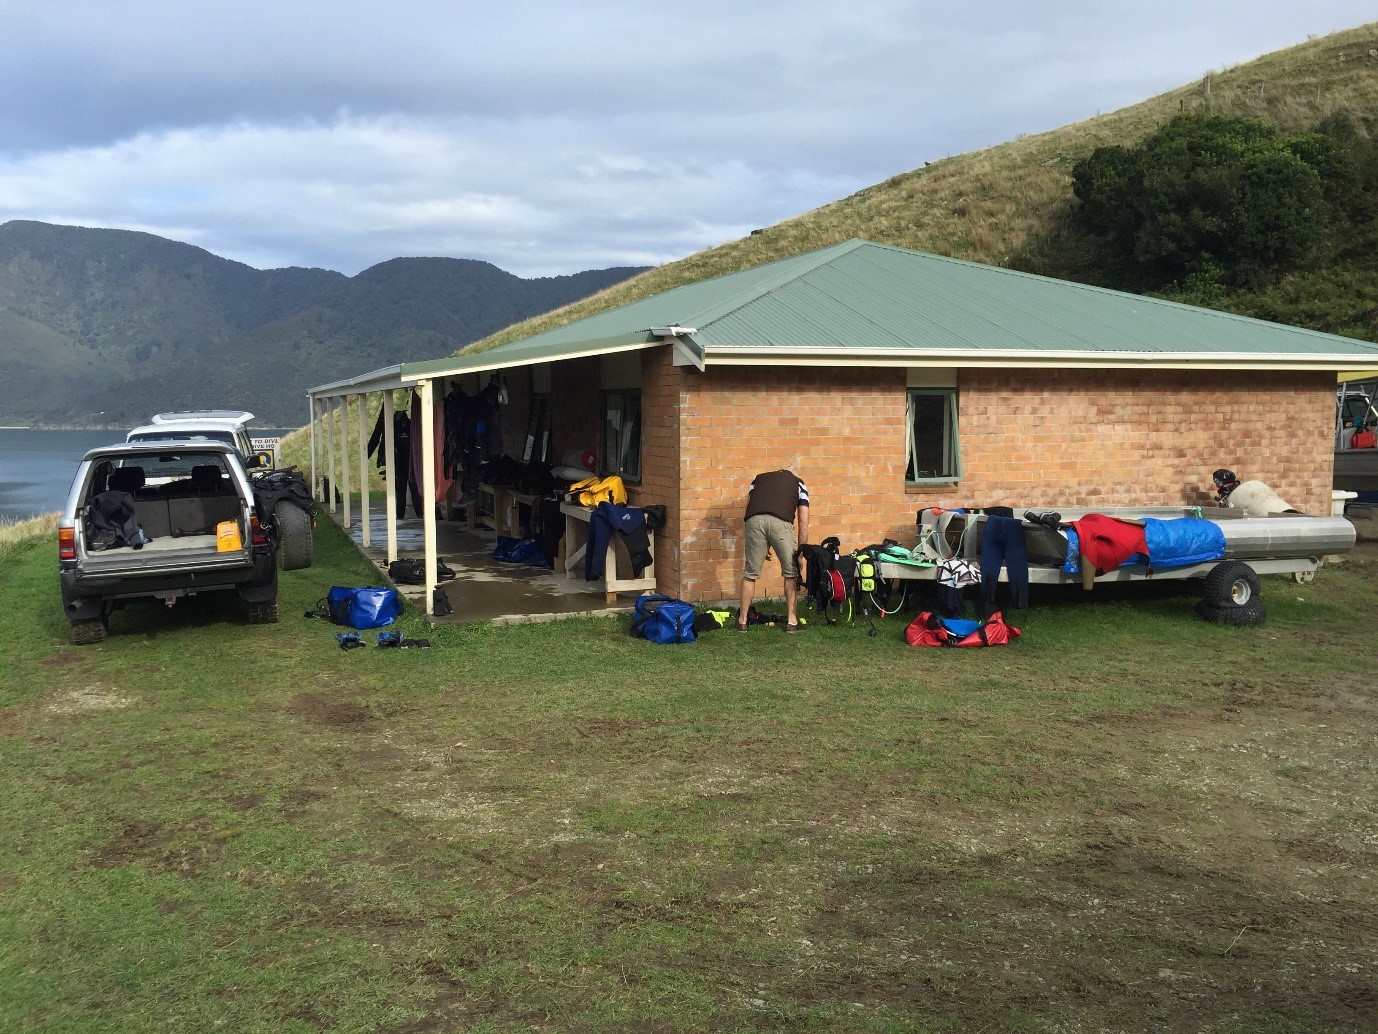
x=765 y=532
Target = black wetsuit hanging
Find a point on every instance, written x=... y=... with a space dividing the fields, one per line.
x=402 y=478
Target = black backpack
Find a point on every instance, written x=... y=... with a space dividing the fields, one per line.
x=826 y=576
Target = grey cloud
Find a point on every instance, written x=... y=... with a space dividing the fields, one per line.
x=550 y=137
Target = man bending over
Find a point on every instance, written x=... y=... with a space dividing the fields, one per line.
x=773 y=503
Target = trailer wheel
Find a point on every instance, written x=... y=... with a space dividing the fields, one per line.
x=1231 y=584
x=296 y=544
x=1252 y=613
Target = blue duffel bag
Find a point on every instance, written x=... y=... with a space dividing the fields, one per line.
x=663 y=619
x=370 y=606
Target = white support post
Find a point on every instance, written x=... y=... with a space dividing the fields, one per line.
x=346 y=489
x=311 y=425
x=328 y=426
x=427 y=394
x=364 y=537
x=390 y=475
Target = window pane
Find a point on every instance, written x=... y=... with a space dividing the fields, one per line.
x=622 y=435
x=931 y=451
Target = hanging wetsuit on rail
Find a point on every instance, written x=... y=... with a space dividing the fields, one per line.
x=1002 y=544
x=402 y=478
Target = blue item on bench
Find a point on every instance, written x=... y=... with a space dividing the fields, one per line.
x=1178 y=542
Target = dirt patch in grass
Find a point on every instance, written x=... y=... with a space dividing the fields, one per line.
x=1151 y=938
x=63 y=659
x=186 y=850
x=326 y=709
x=89 y=700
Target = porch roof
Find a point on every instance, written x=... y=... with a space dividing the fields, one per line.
x=865 y=304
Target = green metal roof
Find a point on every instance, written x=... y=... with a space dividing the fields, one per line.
x=861 y=302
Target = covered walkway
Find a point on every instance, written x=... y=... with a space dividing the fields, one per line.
x=483 y=589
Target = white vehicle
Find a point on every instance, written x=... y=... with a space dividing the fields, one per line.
x=1356 y=470
x=210 y=425
x=288 y=509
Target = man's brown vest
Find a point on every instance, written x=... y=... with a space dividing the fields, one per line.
x=774 y=493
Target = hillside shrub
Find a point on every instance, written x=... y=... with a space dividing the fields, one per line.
x=1213 y=191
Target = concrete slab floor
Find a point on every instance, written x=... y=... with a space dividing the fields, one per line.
x=483 y=589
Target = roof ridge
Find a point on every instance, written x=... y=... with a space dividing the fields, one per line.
x=1112 y=292
x=821 y=257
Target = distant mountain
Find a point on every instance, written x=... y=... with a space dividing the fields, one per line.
x=105 y=327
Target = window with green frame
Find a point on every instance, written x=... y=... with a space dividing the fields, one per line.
x=931 y=434
x=622 y=434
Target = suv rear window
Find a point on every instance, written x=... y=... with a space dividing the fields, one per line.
x=187 y=436
x=164 y=468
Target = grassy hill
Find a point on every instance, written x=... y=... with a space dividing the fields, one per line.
x=1006 y=205
x=104 y=327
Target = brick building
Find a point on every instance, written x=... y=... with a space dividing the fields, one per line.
x=891 y=380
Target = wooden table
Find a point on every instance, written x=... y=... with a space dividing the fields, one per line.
x=502 y=517
x=576 y=544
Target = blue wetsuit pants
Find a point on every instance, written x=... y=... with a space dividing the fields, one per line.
x=1002 y=544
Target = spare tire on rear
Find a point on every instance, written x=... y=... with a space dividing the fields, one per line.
x=296 y=541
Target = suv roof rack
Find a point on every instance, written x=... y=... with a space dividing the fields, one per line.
x=235 y=415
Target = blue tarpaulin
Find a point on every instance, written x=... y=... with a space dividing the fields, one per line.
x=1178 y=542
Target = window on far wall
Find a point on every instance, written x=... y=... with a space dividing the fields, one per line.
x=537 y=444
x=932 y=436
x=622 y=434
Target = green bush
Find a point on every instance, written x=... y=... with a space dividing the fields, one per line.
x=1208 y=190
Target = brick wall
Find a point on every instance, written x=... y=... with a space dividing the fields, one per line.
x=663 y=386
x=1028 y=438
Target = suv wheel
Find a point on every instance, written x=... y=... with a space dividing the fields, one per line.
x=263 y=613
x=87 y=633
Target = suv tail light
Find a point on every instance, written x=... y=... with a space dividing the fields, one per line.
x=257 y=535
x=66 y=543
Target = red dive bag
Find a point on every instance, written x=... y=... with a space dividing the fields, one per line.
x=928 y=629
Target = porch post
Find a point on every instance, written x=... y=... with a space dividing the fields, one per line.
x=328 y=427
x=389 y=475
x=311 y=425
x=345 y=487
x=427 y=393
x=364 y=515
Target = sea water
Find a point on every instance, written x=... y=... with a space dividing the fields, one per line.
x=37 y=467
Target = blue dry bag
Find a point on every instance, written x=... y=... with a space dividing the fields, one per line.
x=370 y=606
x=663 y=619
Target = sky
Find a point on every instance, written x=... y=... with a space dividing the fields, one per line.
x=550 y=137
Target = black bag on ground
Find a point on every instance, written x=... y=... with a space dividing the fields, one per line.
x=411 y=571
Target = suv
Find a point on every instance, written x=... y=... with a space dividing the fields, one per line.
x=288 y=508
x=190 y=524
x=213 y=425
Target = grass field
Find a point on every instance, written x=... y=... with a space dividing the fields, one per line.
x=1128 y=820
